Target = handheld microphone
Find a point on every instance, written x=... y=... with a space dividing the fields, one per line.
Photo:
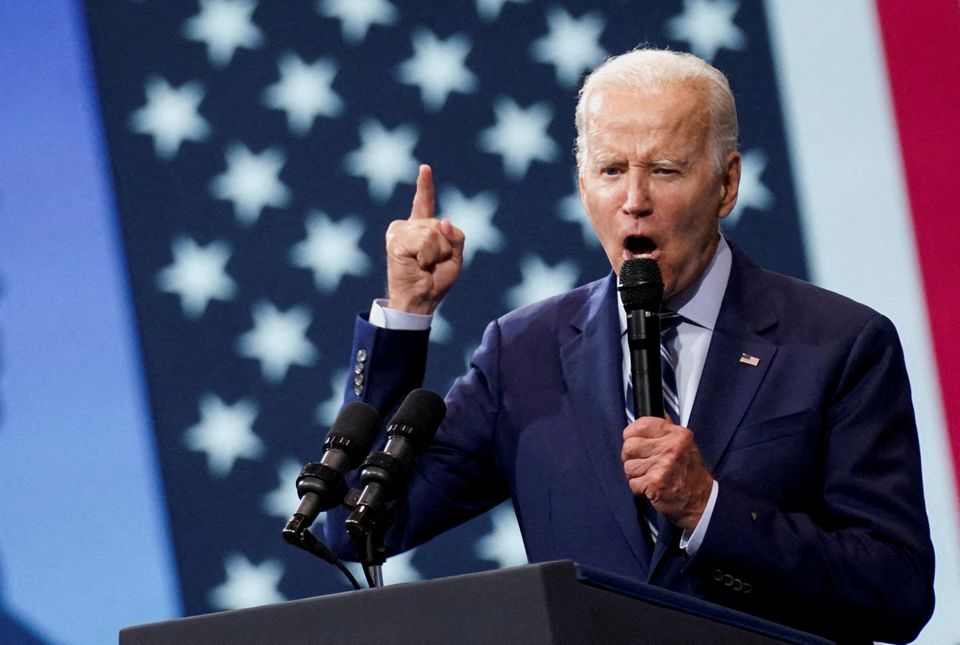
x=321 y=485
x=385 y=474
x=641 y=290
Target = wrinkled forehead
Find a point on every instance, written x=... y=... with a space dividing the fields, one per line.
x=620 y=116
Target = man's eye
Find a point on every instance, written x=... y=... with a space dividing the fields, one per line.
x=610 y=172
x=666 y=171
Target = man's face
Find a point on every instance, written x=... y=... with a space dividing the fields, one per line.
x=649 y=182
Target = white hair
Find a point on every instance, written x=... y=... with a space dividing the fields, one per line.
x=648 y=69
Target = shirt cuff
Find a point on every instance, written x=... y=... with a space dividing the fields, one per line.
x=690 y=541
x=386 y=318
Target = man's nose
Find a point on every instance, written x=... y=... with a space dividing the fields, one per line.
x=637 y=200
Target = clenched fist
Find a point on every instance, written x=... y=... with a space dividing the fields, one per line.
x=662 y=463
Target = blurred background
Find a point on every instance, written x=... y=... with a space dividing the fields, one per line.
x=193 y=197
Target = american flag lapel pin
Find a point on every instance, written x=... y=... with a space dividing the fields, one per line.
x=747 y=359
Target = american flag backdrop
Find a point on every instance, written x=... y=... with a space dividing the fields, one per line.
x=257 y=151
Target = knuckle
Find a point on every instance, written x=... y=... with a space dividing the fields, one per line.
x=652 y=494
x=655 y=482
x=671 y=453
x=429 y=233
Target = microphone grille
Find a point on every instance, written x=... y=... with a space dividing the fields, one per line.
x=354 y=430
x=641 y=286
x=422 y=411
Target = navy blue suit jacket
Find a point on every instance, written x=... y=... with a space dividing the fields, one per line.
x=820 y=520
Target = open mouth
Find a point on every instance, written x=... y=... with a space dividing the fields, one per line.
x=639 y=245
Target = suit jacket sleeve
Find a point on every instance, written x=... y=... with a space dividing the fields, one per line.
x=385 y=366
x=443 y=490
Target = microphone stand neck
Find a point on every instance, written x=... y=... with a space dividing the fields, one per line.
x=374 y=574
x=367 y=526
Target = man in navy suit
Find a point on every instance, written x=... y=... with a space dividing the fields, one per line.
x=789 y=487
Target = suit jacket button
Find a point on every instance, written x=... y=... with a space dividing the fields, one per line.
x=361 y=355
x=728 y=580
x=358 y=390
x=737 y=584
x=717 y=575
x=358 y=380
x=747 y=587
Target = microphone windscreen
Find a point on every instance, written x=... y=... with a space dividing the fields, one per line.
x=354 y=430
x=641 y=286
x=422 y=411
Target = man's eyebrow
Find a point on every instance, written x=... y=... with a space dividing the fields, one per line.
x=667 y=161
x=602 y=160
x=605 y=160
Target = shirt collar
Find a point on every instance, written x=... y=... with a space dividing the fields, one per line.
x=700 y=303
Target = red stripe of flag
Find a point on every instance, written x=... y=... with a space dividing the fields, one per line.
x=922 y=43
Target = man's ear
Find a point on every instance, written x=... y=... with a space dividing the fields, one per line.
x=729 y=184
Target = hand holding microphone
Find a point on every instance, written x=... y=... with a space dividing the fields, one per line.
x=661 y=460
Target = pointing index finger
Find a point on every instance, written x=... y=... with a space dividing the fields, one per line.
x=424 y=201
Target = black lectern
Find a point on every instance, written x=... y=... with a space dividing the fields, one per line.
x=555 y=602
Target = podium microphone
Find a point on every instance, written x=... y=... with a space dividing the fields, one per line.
x=321 y=485
x=385 y=474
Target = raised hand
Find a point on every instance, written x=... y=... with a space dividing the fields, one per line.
x=424 y=254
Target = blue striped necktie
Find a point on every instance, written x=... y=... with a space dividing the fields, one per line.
x=668 y=363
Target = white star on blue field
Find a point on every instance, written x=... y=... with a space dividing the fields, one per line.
x=224 y=26
x=171 y=116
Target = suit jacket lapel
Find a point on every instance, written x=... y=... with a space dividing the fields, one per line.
x=591 y=360
x=729 y=384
